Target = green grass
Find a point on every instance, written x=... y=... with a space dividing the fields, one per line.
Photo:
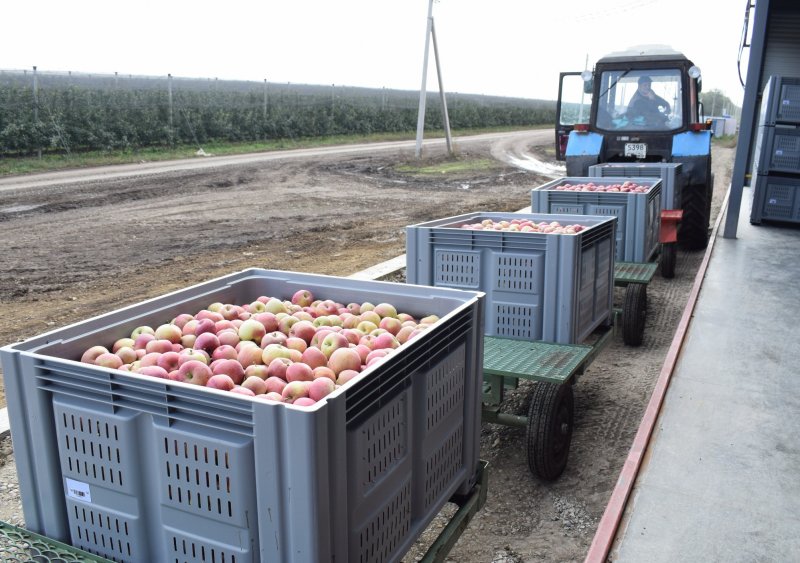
x=52 y=162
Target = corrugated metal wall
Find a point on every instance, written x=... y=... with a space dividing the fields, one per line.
x=782 y=48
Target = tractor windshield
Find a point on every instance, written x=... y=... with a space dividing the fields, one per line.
x=640 y=100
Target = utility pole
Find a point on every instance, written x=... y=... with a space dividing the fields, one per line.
x=430 y=32
x=265 y=98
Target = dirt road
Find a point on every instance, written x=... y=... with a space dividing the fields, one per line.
x=73 y=249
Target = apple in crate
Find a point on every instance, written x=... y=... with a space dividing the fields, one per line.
x=231 y=368
x=255 y=384
x=303 y=297
x=343 y=359
x=194 y=372
x=220 y=381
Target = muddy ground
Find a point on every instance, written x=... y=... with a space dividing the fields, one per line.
x=75 y=250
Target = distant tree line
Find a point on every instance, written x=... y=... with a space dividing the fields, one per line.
x=78 y=113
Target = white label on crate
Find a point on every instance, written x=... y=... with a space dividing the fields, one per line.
x=786 y=102
x=78 y=491
x=779 y=152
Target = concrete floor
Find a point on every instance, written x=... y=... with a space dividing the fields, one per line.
x=721 y=479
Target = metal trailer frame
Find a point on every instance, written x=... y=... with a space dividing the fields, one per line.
x=555 y=368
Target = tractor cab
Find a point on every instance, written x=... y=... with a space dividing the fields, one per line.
x=637 y=100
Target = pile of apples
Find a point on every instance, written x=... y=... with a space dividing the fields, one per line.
x=292 y=351
x=625 y=187
x=525 y=226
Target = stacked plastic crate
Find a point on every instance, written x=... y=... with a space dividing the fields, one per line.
x=776 y=166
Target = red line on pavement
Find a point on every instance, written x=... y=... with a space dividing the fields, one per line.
x=609 y=523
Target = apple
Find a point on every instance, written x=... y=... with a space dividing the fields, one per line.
x=314 y=357
x=333 y=341
x=324 y=371
x=169 y=361
x=182 y=319
x=346 y=376
x=274 y=351
x=256 y=370
x=370 y=316
x=153 y=371
x=193 y=354
x=228 y=336
x=209 y=314
x=90 y=355
x=187 y=340
x=271 y=396
x=363 y=351
x=303 y=329
x=327 y=307
x=303 y=297
x=354 y=308
x=150 y=359
x=269 y=320
x=190 y=327
x=404 y=333
x=224 y=352
x=108 y=360
x=278 y=367
x=295 y=343
x=142 y=330
x=275 y=337
x=303 y=316
x=286 y=323
x=275 y=384
x=254 y=383
x=160 y=346
x=386 y=340
x=249 y=355
x=231 y=368
x=391 y=324
x=385 y=310
x=252 y=330
x=220 y=381
x=294 y=390
x=298 y=371
x=275 y=306
x=195 y=372
x=344 y=358
x=320 y=388
x=140 y=342
x=230 y=311
x=366 y=326
x=304 y=402
x=206 y=341
x=123 y=343
x=242 y=391
x=169 y=332
x=219 y=326
x=127 y=354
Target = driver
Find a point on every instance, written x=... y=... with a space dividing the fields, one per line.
x=647 y=104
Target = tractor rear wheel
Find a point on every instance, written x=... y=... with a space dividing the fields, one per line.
x=693 y=234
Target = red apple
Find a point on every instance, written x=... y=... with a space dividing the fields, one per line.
x=90 y=355
x=154 y=371
x=275 y=384
x=195 y=372
x=169 y=332
x=343 y=359
x=299 y=371
x=231 y=368
x=320 y=387
x=255 y=384
x=220 y=381
x=303 y=297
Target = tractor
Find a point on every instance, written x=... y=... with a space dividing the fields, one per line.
x=641 y=106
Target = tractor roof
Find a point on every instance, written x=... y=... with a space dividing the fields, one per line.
x=644 y=53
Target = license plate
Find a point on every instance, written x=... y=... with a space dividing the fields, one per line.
x=639 y=150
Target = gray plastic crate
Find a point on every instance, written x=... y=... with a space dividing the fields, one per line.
x=779 y=150
x=556 y=288
x=670 y=173
x=776 y=198
x=143 y=469
x=780 y=101
x=638 y=214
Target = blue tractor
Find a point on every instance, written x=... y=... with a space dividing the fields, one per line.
x=641 y=105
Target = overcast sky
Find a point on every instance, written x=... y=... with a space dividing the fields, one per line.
x=497 y=47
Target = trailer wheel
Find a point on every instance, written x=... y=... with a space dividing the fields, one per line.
x=634 y=313
x=549 y=432
x=693 y=234
x=669 y=254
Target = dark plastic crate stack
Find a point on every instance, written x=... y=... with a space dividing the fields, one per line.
x=638 y=214
x=142 y=469
x=776 y=198
x=779 y=150
x=670 y=173
x=550 y=287
x=780 y=101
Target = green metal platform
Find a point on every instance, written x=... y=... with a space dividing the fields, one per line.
x=634 y=272
x=20 y=545
x=537 y=361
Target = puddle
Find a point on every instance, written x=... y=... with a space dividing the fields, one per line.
x=18 y=208
x=530 y=163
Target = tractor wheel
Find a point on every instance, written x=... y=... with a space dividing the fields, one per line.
x=634 y=313
x=669 y=254
x=693 y=234
x=551 y=417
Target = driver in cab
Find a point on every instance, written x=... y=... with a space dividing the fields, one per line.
x=648 y=105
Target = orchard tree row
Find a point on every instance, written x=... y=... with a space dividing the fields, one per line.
x=76 y=118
